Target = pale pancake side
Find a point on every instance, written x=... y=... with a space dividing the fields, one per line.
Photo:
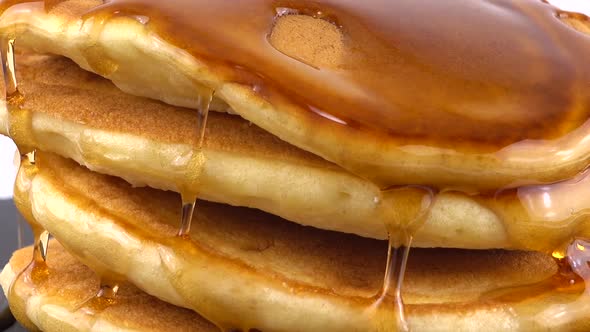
x=140 y=63
x=51 y=304
x=247 y=269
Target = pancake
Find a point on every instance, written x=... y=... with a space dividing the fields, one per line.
x=516 y=118
x=246 y=269
x=50 y=305
x=81 y=116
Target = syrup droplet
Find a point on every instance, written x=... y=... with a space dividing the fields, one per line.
x=397 y=260
x=576 y=264
x=36 y=272
x=564 y=296
x=190 y=201
x=13 y=95
x=204 y=103
x=188 y=208
x=142 y=19
x=98 y=59
x=31 y=157
x=108 y=290
x=542 y=217
x=41 y=242
x=19 y=120
x=407 y=209
x=105 y=297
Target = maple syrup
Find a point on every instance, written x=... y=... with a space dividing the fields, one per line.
x=189 y=200
x=407 y=208
x=566 y=293
x=97 y=58
x=19 y=125
x=36 y=272
x=105 y=297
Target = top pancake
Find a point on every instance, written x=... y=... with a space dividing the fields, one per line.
x=453 y=103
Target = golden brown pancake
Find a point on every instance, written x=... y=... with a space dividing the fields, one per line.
x=81 y=116
x=498 y=113
x=51 y=304
x=247 y=269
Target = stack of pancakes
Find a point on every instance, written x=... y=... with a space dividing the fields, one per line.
x=239 y=165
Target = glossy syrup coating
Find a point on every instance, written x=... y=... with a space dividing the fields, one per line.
x=490 y=73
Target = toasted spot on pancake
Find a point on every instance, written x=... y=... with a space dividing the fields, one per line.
x=69 y=9
x=313 y=41
x=582 y=25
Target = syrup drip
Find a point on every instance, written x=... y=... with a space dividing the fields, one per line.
x=36 y=272
x=188 y=208
x=19 y=124
x=204 y=103
x=577 y=257
x=571 y=281
x=105 y=297
x=14 y=100
x=97 y=58
x=407 y=208
x=13 y=95
x=397 y=260
x=189 y=201
x=41 y=241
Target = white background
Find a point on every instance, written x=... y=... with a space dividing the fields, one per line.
x=7 y=167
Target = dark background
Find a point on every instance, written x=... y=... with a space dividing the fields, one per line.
x=9 y=220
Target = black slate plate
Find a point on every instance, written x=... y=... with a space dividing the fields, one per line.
x=8 y=243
